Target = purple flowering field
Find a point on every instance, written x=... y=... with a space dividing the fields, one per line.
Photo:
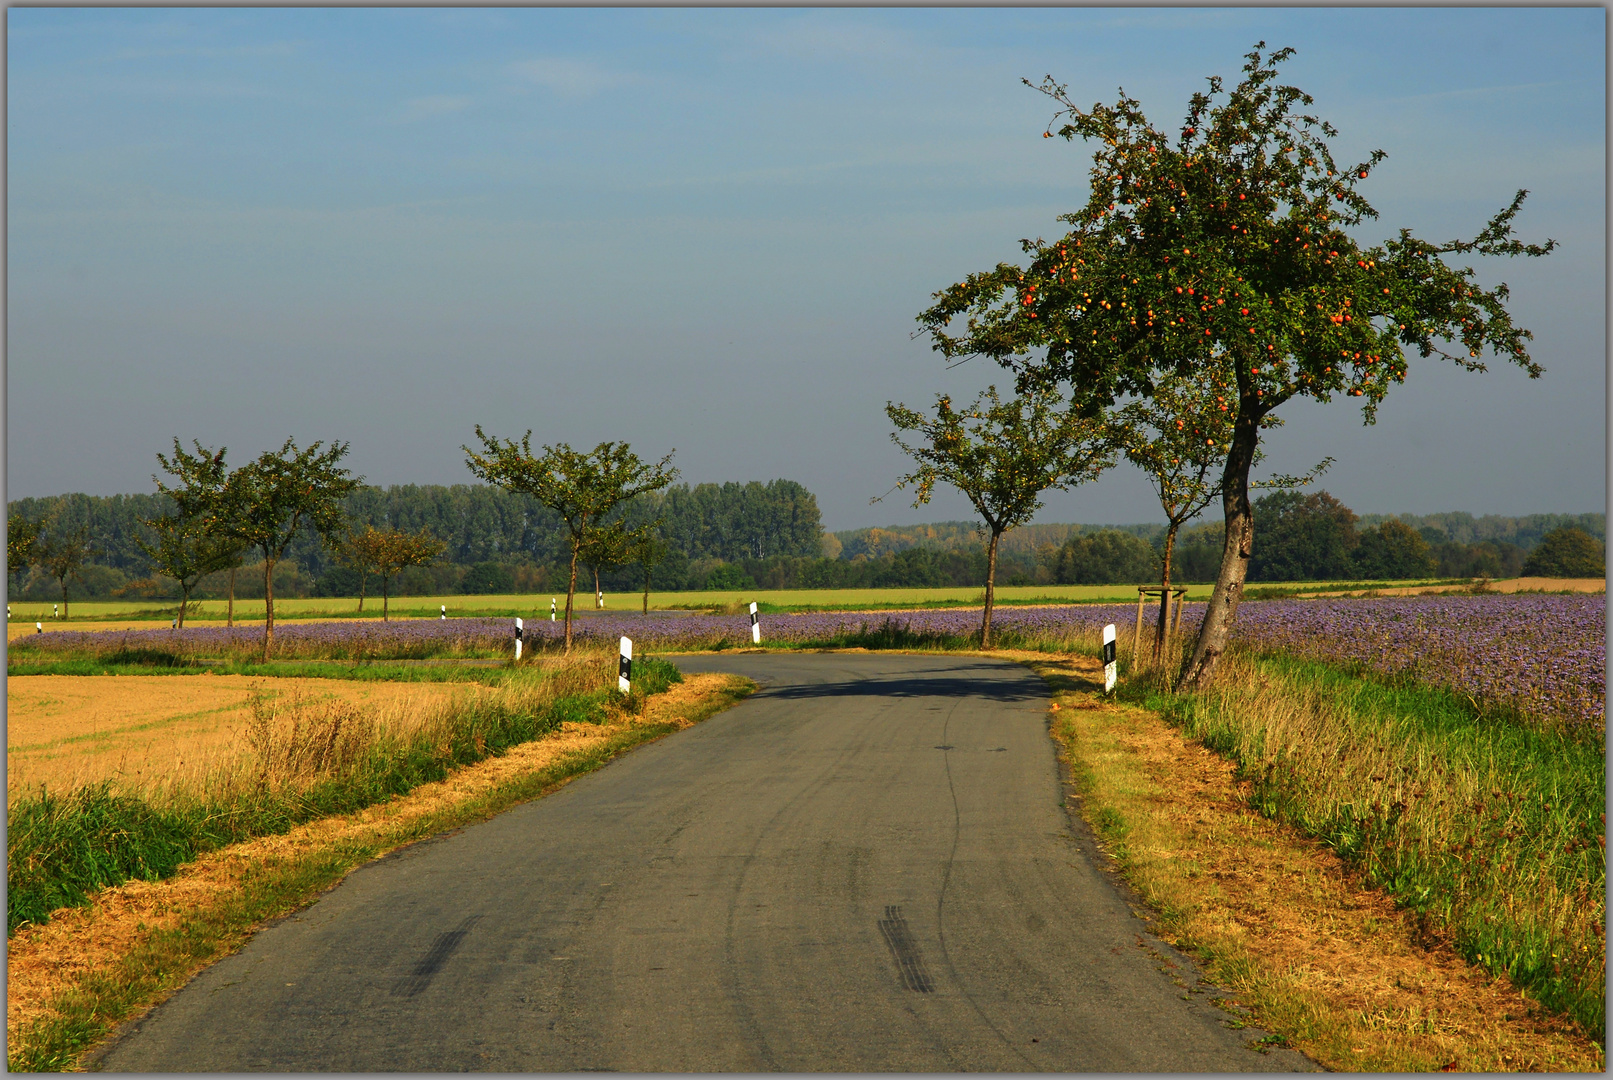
x=1544 y=654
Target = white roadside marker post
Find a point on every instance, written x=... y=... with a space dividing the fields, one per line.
x=56 y=611
x=1110 y=665
x=624 y=667
x=755 y=627
x=517 y=641
x=445 y=611
x=39 y=628
x=551 y=609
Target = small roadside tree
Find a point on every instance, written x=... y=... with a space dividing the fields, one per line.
x=185 y=552
x=649 y=550
x=262 y=505
x=353 y=553
x=606 y=547
x=189 y=545
x=1229 y=240
x=236 y=560
x=388 y=551
x=63 y=551
x=1180 y=436
x=583 y=488
x=22 y=536
x=1002 y=456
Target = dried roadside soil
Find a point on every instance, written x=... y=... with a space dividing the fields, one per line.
x=44 y=962
x=1282 y=921
x=69 y=730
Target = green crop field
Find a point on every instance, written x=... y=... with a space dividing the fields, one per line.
x=528 y=606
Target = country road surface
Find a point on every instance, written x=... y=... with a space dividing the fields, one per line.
x=867 y=866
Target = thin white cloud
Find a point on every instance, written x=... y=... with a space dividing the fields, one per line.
x=568 y=77
x=433 y=105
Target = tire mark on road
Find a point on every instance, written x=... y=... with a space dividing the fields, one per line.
x=905 y=949
x=441 y=949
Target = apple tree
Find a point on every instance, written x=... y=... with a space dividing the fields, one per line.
x=386 y=552
x=1227 y=245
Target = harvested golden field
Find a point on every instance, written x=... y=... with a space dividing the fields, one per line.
x=20 y=627
x=1507 y=585
x=168 y=730
x=59 y=972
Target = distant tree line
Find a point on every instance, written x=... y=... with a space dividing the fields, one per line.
x=756 y=535
x=495 y=541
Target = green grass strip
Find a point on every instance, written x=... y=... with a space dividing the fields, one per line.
x=1482 y=823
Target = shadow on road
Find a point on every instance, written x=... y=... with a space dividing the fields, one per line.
x=954 y=686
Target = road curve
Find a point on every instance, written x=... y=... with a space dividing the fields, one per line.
x=865 y=867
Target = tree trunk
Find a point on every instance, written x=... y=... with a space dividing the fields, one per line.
x=991 y=589
x=599 y=601
x=571 y=591
x=386 y=595
x=1165 y=584
x=229 y=618
x=363 y=580
x=268 y=606
x=184 y=598
x=647 y=569
x=1235 y=552
x=64 y=596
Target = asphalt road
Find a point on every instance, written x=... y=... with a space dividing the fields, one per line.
x=868 y=866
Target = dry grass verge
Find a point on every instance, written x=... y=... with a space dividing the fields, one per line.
x=1280 y=920
x=71 y=981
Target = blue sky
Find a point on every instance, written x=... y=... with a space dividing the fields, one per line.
x=712 y=230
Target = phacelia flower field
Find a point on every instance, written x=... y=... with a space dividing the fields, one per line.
x=1543 y=654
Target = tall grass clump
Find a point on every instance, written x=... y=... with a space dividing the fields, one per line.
x=1485 y=824
x=303 y=759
